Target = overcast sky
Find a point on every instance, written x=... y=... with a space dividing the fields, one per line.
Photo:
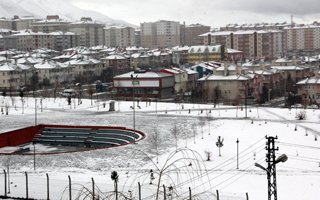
x=208 y=12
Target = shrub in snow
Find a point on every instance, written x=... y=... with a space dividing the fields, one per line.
x=301 y=115
x=208 y=154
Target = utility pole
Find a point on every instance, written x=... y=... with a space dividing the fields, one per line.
x=271 y=170
x=245 y=98
x=237 y=153
x=134 y=82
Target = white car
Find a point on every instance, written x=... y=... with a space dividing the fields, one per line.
x=68 y=93
x=313 y=106
x=297 y=106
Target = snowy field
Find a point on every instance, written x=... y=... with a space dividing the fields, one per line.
x=179 y=139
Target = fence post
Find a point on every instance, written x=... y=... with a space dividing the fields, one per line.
x=190 y=193
x=247 y=196
x=164 y=192
x=48 y=187
x=93 y=195
x=5 y=183
x=139 y=186
x=218 y=195
x=27 y=192
x=70 y=196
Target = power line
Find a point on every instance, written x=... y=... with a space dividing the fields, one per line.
x=225 y=163
x=299 y=145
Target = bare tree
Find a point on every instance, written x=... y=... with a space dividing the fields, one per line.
x=155 y=141
x=201 y=124
x=91 y=92
x=175 y=132
x=194 y=131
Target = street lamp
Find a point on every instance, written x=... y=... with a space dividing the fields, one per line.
x=133 y=104
x=35 y=112
x=237 y=153
x=271 y=168
x=34 y=155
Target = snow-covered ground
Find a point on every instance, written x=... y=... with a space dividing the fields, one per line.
x=197 y=128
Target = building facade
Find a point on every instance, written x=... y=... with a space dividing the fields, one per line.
x=50 y=24
x=119 y=36
x=302 y=39
x=254 y=44
x=189 y=34
x=91 y=33
x=144 y=85
x=309 y=90
x=160 y=34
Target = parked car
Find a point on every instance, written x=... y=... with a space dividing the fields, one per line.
x=313 y=106
x=68 y=93
x=297 y=106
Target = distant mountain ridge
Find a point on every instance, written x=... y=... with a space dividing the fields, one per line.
x=41 y=8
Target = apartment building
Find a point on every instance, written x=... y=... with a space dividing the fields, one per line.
x=302 y=39
x=13 y=75
x=64 y=40
x=160 y=34
x=22 y=23
x=256 y=26
x=51 y=24
x=254 y=44
x=28 y=40
x=91 y=33
x=189 y=34
x=5 y=23
x=119 y=36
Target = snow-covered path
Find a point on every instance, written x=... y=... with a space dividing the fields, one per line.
x=197 y=130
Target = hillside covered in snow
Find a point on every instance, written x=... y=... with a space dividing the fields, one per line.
x=41 y=8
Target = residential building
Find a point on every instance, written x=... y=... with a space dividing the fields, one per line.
x=256 y=26
x=198 y=54
x=254 y=44
x=119 y=36
x=180 y=78
x=28 y=40
x=189 y=34
x=22 y=23
x=64 y=40
x=160 y=34
x=143 y=85
x=301 y=40
x=309 y=90
x=119 y=63
x=137 y=38
x=50 y=24
x=13 y=75
x=227 y=84
x=84 y=68
x=91 y=33
x=5 y=23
